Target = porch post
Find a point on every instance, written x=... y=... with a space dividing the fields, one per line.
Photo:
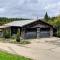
x=10 y=32
x=19 y=31
x=51 y=32
x=2 y=35
x=23 y=33
x=38 y=32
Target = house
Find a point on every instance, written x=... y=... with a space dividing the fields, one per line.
x=30 y=28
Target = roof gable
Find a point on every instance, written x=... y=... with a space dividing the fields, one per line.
x=39 y=22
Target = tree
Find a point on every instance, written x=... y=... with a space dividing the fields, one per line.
x=55 y=21
x=46 y=17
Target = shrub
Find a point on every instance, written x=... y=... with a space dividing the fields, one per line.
x=13 y=36
x=58 y=34
x=25 y=42
x=6 y=34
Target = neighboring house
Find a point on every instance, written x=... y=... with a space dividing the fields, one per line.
x=30 y=28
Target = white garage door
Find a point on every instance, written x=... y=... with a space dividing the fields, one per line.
x=44 y=34
x=30 y=35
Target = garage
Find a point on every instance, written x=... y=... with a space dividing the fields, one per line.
x=30 y=33
x=45 y=32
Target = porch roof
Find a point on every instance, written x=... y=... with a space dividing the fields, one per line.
x=19 y=23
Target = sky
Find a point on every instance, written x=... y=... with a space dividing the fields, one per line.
x=29 y=8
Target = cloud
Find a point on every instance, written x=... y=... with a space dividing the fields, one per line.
x=53 y=9
x=54 y=5
x=2 y=10
x=29 y=8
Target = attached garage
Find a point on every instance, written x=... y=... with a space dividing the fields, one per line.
x=33 y=33
x=45 y=32
x=30 y=33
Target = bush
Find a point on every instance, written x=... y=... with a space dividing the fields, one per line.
x=13 y=36
x=58 y=34
x=25 y=42
x=18 y=38
x=6 y=34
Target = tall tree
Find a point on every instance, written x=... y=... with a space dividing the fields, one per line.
x=46 y=17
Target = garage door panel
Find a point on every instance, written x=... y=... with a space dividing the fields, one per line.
x=30 y=35
x=44 y=34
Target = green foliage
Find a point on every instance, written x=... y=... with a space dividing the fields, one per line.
x=25 y=42
x=46 y=17
x=13 y=37
x=8 y=56
x=4 y=20
x=55 y=21
x=6 y=34
x=58 y=33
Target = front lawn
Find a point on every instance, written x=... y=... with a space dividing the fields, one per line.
x=8 y=56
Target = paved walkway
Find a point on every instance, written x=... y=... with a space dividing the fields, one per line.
x=39 y=49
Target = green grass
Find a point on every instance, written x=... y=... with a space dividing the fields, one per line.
x=8 y=56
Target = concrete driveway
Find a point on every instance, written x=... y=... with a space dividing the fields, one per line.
x=39 y=49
